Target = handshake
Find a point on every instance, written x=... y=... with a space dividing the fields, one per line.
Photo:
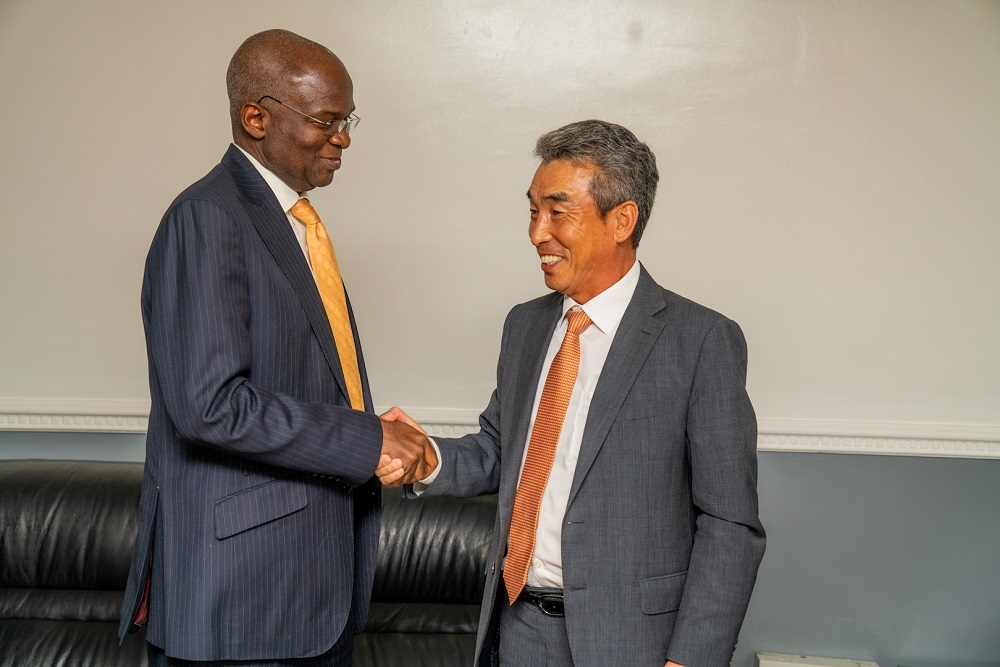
x=407 y=453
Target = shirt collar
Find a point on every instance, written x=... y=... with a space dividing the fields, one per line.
x=285 y=195
x=607 y=308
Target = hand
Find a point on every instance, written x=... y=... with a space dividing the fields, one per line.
x=407 y=453
x=396 y=414
x=671 y=663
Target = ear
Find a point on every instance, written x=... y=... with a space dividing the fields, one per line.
x=624 y=218
x=252 y=117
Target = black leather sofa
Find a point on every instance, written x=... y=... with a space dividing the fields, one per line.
x=66 y=532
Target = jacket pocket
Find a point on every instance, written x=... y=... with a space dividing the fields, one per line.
x=658 y=595
x=257 y=505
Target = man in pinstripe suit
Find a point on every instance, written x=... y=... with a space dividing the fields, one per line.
x=259 y=512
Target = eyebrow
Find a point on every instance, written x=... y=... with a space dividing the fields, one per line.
x=554 y=196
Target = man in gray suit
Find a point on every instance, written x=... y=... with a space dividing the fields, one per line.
x=259 y=513
x=640 y=543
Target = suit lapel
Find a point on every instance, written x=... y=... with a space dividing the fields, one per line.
x=272 y=225
x=636 y=335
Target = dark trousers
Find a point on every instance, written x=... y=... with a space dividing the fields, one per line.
x=339 y=656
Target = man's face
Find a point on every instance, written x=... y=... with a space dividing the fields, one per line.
x=300 y=152
x=576 y=246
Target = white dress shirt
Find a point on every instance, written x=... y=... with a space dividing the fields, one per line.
x=605 y=311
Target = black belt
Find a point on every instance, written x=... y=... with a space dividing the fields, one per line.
x=550 y=602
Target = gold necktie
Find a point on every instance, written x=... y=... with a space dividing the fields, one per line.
x=331 y=290
x=541 y=452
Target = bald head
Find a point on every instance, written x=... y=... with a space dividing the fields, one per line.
x=285 y=93
x=269 y=63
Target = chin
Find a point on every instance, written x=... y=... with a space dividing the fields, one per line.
x=321 y=180
x=552 y=283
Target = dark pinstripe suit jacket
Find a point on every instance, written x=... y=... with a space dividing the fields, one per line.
x=259 y=515
x=661 y=539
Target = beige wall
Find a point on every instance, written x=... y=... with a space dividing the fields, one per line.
x=830 y=178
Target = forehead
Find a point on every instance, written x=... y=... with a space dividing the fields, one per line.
x=323 y=78
x=562 y=180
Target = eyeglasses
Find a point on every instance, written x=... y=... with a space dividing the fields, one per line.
x=330 y=127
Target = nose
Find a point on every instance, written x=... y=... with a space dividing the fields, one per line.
x=538 y=230
x=342 y=139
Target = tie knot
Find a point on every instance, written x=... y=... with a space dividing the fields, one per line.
x=578 y=321
x=304 y=212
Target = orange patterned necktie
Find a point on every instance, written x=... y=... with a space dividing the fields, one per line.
x=331 y=290
x=541 y=452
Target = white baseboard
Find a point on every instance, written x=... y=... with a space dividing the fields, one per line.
x=977 y=441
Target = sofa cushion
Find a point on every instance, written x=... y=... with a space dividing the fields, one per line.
x=426 y=617
x=40 y=643
x=60 y=604
x=67 y=524
x=433 y=549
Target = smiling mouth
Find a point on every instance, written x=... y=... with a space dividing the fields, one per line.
x=549 y=259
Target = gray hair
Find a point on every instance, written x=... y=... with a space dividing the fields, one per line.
x=625 y=167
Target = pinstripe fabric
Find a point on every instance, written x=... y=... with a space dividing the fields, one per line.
x=258 y=503
x=541 y=452
x=660 y=540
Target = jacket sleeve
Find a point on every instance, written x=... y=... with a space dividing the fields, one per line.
x=728 y=538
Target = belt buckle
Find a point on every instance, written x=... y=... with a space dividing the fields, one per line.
x=551 y=604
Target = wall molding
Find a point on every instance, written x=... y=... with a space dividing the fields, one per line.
x=976 y=441
x=73 y=415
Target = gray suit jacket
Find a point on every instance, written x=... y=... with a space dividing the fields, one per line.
x=259 y=515
x=661 y=539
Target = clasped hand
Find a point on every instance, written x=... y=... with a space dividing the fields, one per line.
x=407 y=453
